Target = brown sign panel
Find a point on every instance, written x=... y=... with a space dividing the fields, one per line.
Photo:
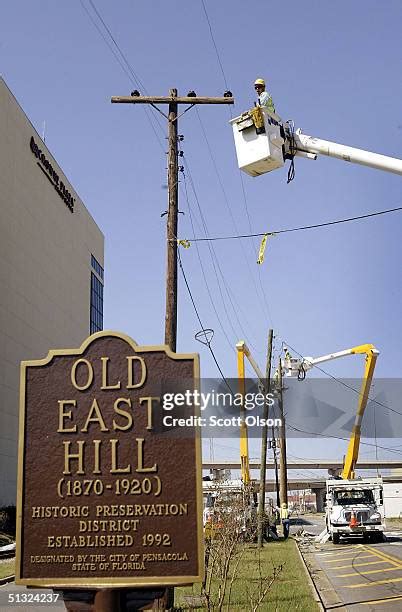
x=106 y=495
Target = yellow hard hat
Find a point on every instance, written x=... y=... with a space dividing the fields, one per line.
x=259 y=82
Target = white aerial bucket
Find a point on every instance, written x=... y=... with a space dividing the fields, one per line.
x=258 y=153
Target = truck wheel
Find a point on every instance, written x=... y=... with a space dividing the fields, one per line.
x=335 y=538
x=377 y=536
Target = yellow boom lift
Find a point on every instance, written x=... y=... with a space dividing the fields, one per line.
x=244 y=486
x=354 y=506
x=298 y=367
x=242 y=353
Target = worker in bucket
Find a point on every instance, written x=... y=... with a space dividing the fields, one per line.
x=264 y=98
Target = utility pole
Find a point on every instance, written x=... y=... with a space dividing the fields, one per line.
x=282 y=437
x=172 y=225
x=264 y=441
x=275 y=457
x=173 y=101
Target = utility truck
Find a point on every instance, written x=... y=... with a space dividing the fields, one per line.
x=354 y=506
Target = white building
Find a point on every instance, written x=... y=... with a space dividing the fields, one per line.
x=51 y=267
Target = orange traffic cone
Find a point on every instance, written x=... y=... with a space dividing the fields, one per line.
x=353 y=521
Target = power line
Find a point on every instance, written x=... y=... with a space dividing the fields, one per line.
x=202 y=266
x=301 y=228
x=214 y=259
x=200 y=322
x=214 y=43
x=226 y=200
x=133 y=76
x=341 y=382
x=322 y=435
x=265 y=301
x=216 y=265
x=123 y=63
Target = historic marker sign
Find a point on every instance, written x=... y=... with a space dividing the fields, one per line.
x=106 y=495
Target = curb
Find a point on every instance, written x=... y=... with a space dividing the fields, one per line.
x=327 y=596
x=6 y=580
x=313 y=587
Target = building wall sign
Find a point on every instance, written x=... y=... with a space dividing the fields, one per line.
x=106 y=496
x=52 y=175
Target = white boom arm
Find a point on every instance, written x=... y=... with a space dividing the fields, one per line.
x=292 y=365
x=309 y=362
x=297 y=367
x=310 y=144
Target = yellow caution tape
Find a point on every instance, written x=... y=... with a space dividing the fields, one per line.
x=263 y=245
x=184 y=243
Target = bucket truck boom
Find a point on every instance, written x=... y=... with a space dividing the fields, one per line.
x=298 y=367
x=354 y=507
x=242 y=352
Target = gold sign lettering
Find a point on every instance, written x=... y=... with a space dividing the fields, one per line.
x=90 y=374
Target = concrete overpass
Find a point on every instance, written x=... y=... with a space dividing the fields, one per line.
x=307 y=464
x=316 y=485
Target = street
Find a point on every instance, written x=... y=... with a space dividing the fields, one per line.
x=352 y=573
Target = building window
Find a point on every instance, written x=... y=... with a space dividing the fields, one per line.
x=96 y=316
x=97 y=267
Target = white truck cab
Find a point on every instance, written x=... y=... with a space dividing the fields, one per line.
x=355 y=508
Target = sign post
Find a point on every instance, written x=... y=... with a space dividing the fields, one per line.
x=108 y=496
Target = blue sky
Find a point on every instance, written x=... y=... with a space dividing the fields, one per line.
x=333 y=67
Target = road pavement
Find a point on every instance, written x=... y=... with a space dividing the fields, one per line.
x=365 y=577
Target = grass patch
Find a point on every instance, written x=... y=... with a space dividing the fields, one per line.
x=7 y=568
x=290 y=591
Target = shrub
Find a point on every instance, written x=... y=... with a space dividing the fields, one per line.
x=7 y=520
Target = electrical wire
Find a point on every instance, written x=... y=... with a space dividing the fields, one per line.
x=265 y=301
x=214 y=259
x=200 y=322
x=202 y=266
x=341 y=382
x=129 y=71
x=133 y=76
x=217 y=267
x=226 y=200
x=292 y=151
x=214 y=44
x=123 y=63
x=301 y=228
x=264 y=296
x=373 y=445
x=321 y=435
